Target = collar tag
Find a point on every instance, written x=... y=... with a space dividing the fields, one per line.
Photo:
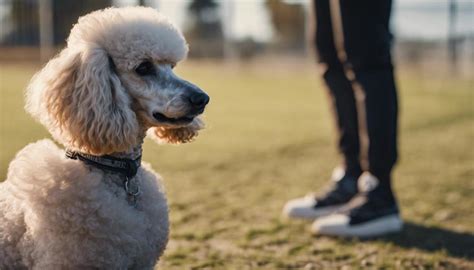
x=127 y=167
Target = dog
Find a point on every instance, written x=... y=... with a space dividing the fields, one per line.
x=95 y=205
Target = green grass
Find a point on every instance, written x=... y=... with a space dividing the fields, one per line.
x=270 y=138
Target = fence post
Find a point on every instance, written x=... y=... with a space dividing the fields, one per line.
x=452 y=35
x=45 y=10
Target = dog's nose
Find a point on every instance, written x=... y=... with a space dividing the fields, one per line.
x=198 y=100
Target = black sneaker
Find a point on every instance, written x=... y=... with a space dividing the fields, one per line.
x=342 y=191
x=372 y=213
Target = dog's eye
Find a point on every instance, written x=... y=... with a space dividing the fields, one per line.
x=145 y=68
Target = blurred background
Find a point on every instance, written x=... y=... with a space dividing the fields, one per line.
x=270 y=134
x=428 y=32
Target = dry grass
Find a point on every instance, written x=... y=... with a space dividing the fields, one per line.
x=269 y=139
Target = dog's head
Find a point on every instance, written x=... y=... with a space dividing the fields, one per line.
x=114 y=81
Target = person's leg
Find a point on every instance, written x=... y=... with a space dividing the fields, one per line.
x=340 y=88
x=367 y=44
x=344 y=185
x=363 y=41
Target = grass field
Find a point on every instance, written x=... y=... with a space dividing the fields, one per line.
x=269 y=139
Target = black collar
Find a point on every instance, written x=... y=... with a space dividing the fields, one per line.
x=125 y=166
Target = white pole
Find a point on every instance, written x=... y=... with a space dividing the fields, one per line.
x=46 y=29
x=227 y=10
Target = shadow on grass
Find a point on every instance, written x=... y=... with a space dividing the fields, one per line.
x=434 y=239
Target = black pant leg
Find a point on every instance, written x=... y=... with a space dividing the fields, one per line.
x=339 y=86
x=368 y=63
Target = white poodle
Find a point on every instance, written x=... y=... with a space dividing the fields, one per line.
x=94 y=206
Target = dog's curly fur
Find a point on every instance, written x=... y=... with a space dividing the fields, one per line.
x=58 y=213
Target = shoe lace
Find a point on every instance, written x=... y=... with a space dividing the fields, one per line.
x=364 y=205
x=360 y=205
x=335 y=193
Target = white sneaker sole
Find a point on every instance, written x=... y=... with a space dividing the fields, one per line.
x=338 y=225
x=303 y=208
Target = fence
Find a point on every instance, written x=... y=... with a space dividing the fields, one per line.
x=32 y=29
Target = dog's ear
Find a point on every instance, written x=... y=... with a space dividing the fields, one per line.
x=176 y=135
x=82 y=102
